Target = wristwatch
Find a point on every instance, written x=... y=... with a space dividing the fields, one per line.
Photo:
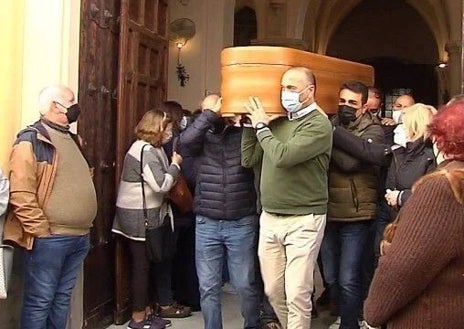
x=260 y=125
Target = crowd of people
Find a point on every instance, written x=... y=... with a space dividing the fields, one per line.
x=377 y=203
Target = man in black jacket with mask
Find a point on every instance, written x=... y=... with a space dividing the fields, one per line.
x=226 y=218
x=352 y=204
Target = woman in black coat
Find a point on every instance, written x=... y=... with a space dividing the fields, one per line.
x=413 y=161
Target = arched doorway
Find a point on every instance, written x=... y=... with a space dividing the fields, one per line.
x=245 y=26
x=394 y=38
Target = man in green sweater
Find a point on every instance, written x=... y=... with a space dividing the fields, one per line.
x=293 y=153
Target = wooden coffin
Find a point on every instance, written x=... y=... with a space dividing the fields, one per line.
x=257 y=71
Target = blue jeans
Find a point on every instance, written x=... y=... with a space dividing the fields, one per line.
x=383 y=218
x=235 y=240
x=372 y=249
x=50 y=272
x=342 y=254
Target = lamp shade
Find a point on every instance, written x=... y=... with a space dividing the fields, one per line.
x=257 y=71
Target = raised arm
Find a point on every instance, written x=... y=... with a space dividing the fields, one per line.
x=365 y=149
x=154 y=174
x=192 y=137
x=352 y=162
x=252 y=153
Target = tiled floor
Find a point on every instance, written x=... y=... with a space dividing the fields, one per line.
x=232 y=318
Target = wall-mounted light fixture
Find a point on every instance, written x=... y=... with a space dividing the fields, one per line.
x=180 y=31
x=442 y=65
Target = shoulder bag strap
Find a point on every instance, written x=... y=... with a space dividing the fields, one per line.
x=142 y=181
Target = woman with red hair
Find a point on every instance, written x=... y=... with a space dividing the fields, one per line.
x=419 y=282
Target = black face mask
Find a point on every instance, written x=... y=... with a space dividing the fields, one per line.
x=346 y=114
x=73 y=113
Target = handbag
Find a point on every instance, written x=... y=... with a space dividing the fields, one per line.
x=160 y=243
x=160 y=240
x=388 y=235
x=6 y=263
x=181 y=196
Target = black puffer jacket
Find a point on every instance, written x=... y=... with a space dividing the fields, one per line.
x=224 y=189
x=408 y=165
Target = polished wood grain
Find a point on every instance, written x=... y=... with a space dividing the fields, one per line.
x=257 y=70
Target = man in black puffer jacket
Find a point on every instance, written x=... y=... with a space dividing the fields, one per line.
x=226 y=218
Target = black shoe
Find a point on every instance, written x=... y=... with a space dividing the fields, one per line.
x=324 y=299
x=314 y=312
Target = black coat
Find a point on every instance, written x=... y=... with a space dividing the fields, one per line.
x=224 y=189
x=408 y=165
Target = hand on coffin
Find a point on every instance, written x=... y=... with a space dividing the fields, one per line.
x=257 y=113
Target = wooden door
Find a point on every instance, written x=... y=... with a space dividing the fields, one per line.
x=98 y=77
x=142 y=85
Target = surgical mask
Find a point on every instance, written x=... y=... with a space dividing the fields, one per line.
x=184 y=122
x=291 y=100
x=396 y=116
x=346 y=114
x=439 y=156
x=399 y=136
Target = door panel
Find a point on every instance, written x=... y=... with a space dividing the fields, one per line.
x=143 y=49
x=98 y=76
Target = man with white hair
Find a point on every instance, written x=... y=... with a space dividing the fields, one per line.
x=53 y=203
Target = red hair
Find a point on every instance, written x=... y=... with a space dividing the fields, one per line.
x=447 y=130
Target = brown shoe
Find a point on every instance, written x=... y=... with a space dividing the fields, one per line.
x=174 y=310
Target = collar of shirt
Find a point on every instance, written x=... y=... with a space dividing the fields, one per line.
x=302 y=112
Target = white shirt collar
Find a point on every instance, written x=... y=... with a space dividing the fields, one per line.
x=302 y=112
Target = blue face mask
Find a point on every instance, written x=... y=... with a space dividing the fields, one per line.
x=291 y=100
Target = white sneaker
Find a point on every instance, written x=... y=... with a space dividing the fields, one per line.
x=363 y=325
x=336 y=324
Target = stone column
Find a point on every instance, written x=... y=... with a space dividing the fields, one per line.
x=453 y=48
x=280 y=23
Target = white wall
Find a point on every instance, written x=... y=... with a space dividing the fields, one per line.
x=201 y=54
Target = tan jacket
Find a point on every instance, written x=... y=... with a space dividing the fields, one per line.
x=33 y=163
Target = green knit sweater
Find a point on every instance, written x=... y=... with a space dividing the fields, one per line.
x=294 y=156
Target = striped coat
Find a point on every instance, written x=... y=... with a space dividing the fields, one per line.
x=159 y=178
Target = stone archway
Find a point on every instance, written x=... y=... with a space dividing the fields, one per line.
x=372 y=32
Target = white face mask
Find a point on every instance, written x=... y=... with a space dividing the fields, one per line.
x=399 y=136
x=439 y=156
x=291 y=100
x=396 y=116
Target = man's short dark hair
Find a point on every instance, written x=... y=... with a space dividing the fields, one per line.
x=357 y=87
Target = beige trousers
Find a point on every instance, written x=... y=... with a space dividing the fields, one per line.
x=288 y=249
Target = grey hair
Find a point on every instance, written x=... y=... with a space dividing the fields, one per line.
x=47 y=96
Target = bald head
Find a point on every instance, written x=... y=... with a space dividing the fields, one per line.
x=403 y=101
x=302 y=73
x=209 y=102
